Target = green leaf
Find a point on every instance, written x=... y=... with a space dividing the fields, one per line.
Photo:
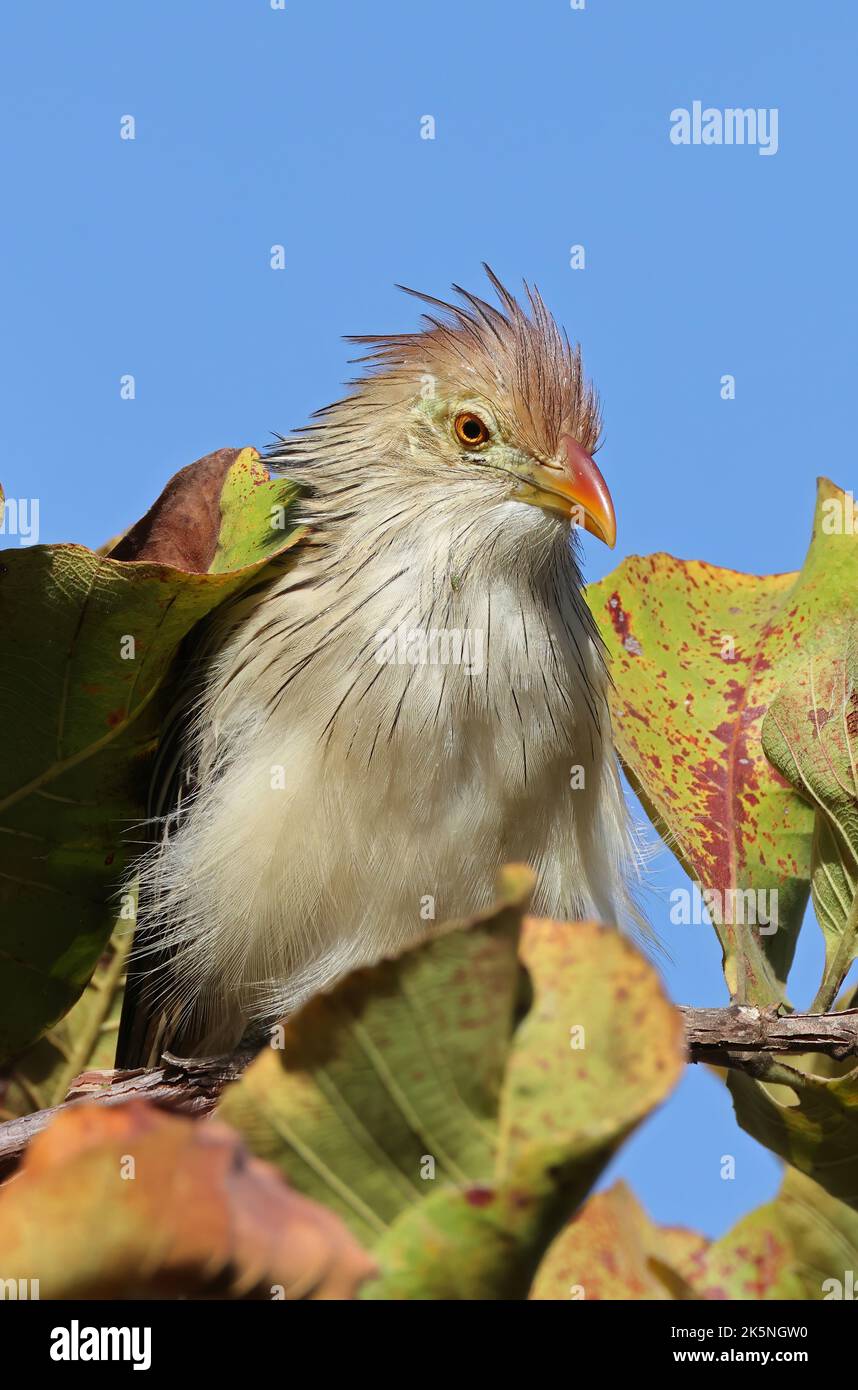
x=810 y=735
x=698 y=654
x=811 y=1122
x=790 y=1248
x=455 y=1104
x=84 y=1040
x=89 y=643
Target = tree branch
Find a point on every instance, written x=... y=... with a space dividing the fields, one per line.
x=741 y=1037
x=191 y=1085
x=737 y=1035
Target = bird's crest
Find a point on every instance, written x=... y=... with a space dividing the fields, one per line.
x=514 y=354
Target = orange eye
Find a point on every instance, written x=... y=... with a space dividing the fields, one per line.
x=470 y=430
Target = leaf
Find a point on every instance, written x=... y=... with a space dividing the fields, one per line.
x=89 y=642
x=612 y=1250
x=698 y=654
x=130 y=1202
x=810 y=734
x=182 y=527
x=786 y=1249
x=440 y=1103
x=84 y=1040
x=812 y=1123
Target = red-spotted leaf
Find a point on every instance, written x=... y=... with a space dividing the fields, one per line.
x=455 y=1104
x=698 y=654
x=802 y=1245
x=612 y=1250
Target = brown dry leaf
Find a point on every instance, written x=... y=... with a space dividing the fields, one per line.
x=131 y=1202
x=182 y=527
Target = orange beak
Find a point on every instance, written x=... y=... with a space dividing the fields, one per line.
x=575 y=488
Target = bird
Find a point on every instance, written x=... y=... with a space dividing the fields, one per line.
x=417 y=698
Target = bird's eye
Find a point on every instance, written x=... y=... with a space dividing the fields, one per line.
x=470 y=430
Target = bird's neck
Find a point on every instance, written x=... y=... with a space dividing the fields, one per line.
x=442 y=542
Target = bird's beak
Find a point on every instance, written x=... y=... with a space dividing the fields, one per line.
x=575 y=488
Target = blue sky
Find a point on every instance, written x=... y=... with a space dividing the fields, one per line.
x=258 y=126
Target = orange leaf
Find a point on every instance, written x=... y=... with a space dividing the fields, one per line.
x=131 y=1202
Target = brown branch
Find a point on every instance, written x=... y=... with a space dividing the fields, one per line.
x=740 y=1037
x=190 y=1085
